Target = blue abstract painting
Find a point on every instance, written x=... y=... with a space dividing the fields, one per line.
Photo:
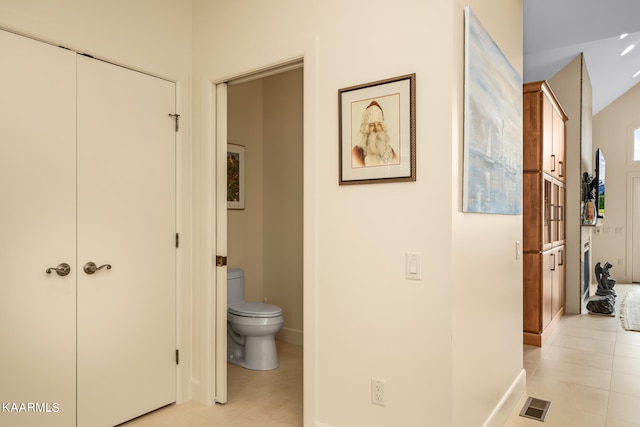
x=492 y=177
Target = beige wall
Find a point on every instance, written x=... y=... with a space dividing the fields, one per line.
x=283 y=199
x=612 y=132
x=572 y=88
x=449 y=346
x=265 y=238
x=245 y=227
x=148 y=35
x=451 y=343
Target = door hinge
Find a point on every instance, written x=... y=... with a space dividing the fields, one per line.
x=177 y=240
x=177 y=357
x=177 y=117
x=221 y=261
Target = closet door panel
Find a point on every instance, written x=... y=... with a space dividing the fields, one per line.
x=37 y=225
x=126 y=218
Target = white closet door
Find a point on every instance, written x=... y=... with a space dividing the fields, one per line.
x=126 y=219
x=37 y=231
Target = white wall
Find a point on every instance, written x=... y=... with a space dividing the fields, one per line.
x=486 y=275
x=362 y=318
x=612 y=132
x=147 y=35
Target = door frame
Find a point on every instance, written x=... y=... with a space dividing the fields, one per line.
x=631 y=177
x=218 y=148
x=220 y=209
x=215 y=356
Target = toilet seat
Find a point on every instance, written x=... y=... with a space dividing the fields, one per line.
x=255 y=310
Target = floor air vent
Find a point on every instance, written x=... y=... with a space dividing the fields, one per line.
x=536 y=409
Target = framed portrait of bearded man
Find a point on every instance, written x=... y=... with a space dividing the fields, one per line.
x=377 y=131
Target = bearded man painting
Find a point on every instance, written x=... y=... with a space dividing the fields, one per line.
x=373 y=147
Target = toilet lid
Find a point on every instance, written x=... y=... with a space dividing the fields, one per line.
x=255 y=309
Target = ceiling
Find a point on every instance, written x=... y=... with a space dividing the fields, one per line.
x=556 y=31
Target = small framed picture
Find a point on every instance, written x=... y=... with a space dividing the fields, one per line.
x=235 y=176
x=377 y=125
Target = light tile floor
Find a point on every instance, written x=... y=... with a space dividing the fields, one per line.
x=589 y=370
x=255 y=398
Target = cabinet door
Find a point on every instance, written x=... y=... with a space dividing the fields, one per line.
x=37 y=189
x=553 y=212
x=532 y=292
x=548 y=221
x=532 y=211
x=560 y=215
x=558 y=146
x=126 y=218
x=548 y=269
x=548 y=158
x=562 y=271
x=557 y=284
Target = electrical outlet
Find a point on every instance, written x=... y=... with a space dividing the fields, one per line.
x=377 y=392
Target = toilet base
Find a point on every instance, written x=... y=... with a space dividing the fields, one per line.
x=258 y=353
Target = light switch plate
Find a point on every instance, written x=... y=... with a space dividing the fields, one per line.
x=413 y=267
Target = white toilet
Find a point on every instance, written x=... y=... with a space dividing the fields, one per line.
x=251 y=327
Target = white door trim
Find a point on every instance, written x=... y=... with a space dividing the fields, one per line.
x=221 y=244
x=209 y=146
x=631 y=177
x=183 y=254
x=207 y=285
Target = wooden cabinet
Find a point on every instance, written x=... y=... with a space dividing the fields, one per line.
x=544 y=131
x=543 y=212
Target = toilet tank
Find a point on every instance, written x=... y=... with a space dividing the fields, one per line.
x=235 y=286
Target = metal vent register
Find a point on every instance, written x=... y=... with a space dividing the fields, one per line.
x=536 y=409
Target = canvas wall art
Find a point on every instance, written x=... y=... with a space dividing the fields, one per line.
x=492 y=176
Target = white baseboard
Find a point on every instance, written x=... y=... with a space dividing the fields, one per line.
x=509 y=400
x=291 y=336
x=503 y=409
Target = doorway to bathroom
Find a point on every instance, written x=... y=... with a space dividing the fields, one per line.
x=265 y=236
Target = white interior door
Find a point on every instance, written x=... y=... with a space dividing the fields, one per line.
x=635 y=225
x=37 y=225
x=126 y=219
x=221 y=244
